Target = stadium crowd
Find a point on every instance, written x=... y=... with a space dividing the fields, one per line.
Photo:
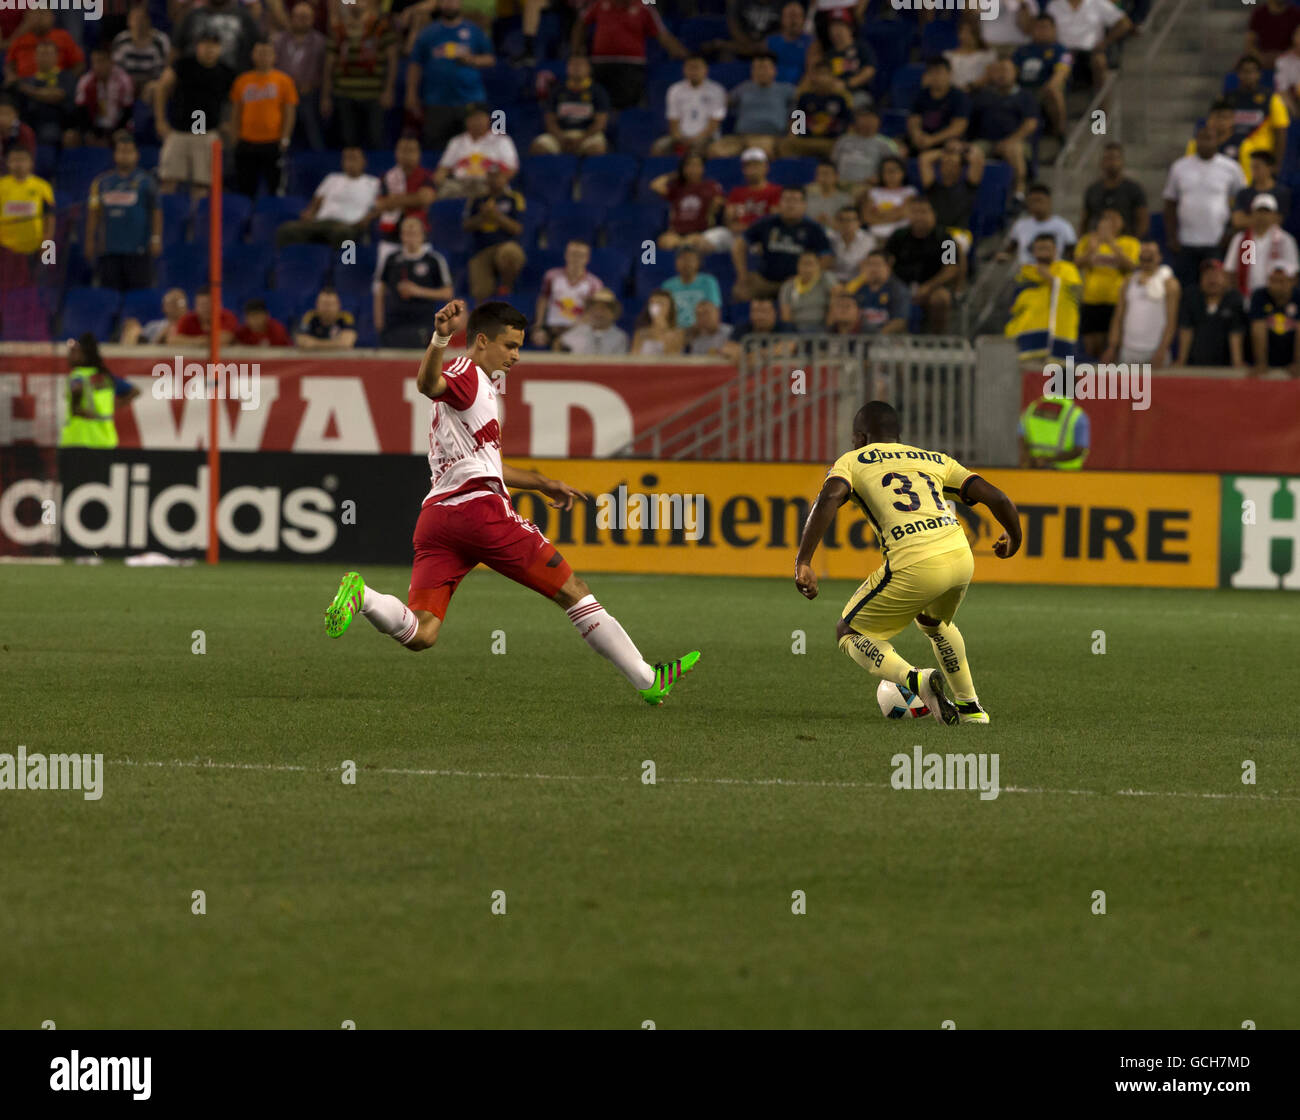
x=657 y=179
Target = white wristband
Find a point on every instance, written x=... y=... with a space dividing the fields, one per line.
x=441 y=340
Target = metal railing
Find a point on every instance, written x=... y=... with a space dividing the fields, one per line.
x=794 y=398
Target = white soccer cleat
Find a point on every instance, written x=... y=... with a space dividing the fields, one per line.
x=934 y=697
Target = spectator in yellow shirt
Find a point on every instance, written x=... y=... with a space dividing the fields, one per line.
x=266 y=102
x=26 y=218
x=1105 y=257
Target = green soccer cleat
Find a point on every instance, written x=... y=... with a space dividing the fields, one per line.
x=339 y=614
x=969 y=711
x=667 y=675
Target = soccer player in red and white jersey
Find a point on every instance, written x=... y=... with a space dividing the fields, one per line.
x=467 y=518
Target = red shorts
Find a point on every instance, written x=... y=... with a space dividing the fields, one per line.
x=450 y=540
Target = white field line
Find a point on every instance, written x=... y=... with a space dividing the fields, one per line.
x=210 y=764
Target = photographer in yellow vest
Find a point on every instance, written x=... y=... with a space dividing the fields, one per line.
x=93 y=394
x=1054 y=433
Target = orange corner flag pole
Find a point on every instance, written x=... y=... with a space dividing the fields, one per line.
x=214 y=350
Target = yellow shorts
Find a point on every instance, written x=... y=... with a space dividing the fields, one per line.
x=892 y=597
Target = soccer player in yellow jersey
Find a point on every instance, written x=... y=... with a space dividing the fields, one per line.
x=928 y=563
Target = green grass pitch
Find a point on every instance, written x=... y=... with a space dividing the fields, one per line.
x=625 y=902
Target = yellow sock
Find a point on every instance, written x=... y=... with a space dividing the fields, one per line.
x=951 y=652
x=878 y=658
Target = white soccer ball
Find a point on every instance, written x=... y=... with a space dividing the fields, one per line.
x=897 y=702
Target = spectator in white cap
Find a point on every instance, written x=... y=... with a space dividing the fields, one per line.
x=1273 y=313
x=1146 y=316
x=755 y=198
x=1261 y=247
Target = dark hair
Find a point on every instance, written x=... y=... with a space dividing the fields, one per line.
x=122 y=136
x=820 y=64
x=1047 y=16
x=694 y=55
x=681 y=165
x=260 y=41
x=826 y=162
x=848 y=209
x=879 y=253
x=938 y=62
x=327 y=290
x=1045 y=237
x=102 y=48
x=793 y=190
x=409 y=134
x=1248 y=59
x=895 y=160
x=877 y=416
x=1265 y=158
x=1113 y=146
x=254 y=305
x=1220 y=105
x=1039 y=188
x=643 y=316
x=88 y=344
x=767 y=55
x=492 y=318
x=5 y=99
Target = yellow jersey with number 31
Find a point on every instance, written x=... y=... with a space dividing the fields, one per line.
x=903 y=491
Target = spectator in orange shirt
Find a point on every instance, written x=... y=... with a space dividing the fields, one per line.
x=259 y=329
x=20 y=60
x=265 y=101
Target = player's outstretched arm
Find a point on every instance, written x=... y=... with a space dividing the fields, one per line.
x=1003 y=508
x=562 y=495
x=428 y=378
x=834 y=493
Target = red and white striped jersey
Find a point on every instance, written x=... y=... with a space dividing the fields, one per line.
x=464 y=435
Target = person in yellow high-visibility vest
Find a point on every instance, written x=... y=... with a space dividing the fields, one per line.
x=93 y=393
x=1054 y=433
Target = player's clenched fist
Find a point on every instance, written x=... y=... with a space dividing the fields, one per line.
x=805 y=579
x=447 y=316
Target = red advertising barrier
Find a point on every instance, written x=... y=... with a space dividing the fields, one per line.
x=1219 y=424
x=358 y=404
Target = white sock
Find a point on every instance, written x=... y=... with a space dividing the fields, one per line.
x=601 y=631
x=389 y=615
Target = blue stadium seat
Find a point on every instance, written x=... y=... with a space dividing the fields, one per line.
x=637 y=129
x=795 y=172
x=302 y=267
x=1156 y=231
x=25 y=315
x=504 y=84
x=989 y=213
x=270 y=212
x=525 y=123
x=719 y=264
x=730 y=74
x=905 y=85
x=235 y=211
x=641 y=222
x=354 y=283
x=47 y=161
x=726 y=171
x=570 y=220
x=540 y=261
x=306 y=170
x=937 y=36
x=665 y=72
x=534 y=220
x=181 y=267
x=176 y=216
x=612 y=265
x=149 y=156
x=144 y=304
x=891 y=41
x=454 y=243
x=893 y=122
x=549 y=178
x=247 y=263
x=90 y=309
x=647 y=277
x=288 y=307
x=607 y=181
x=702 y=29
x=445 y=219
